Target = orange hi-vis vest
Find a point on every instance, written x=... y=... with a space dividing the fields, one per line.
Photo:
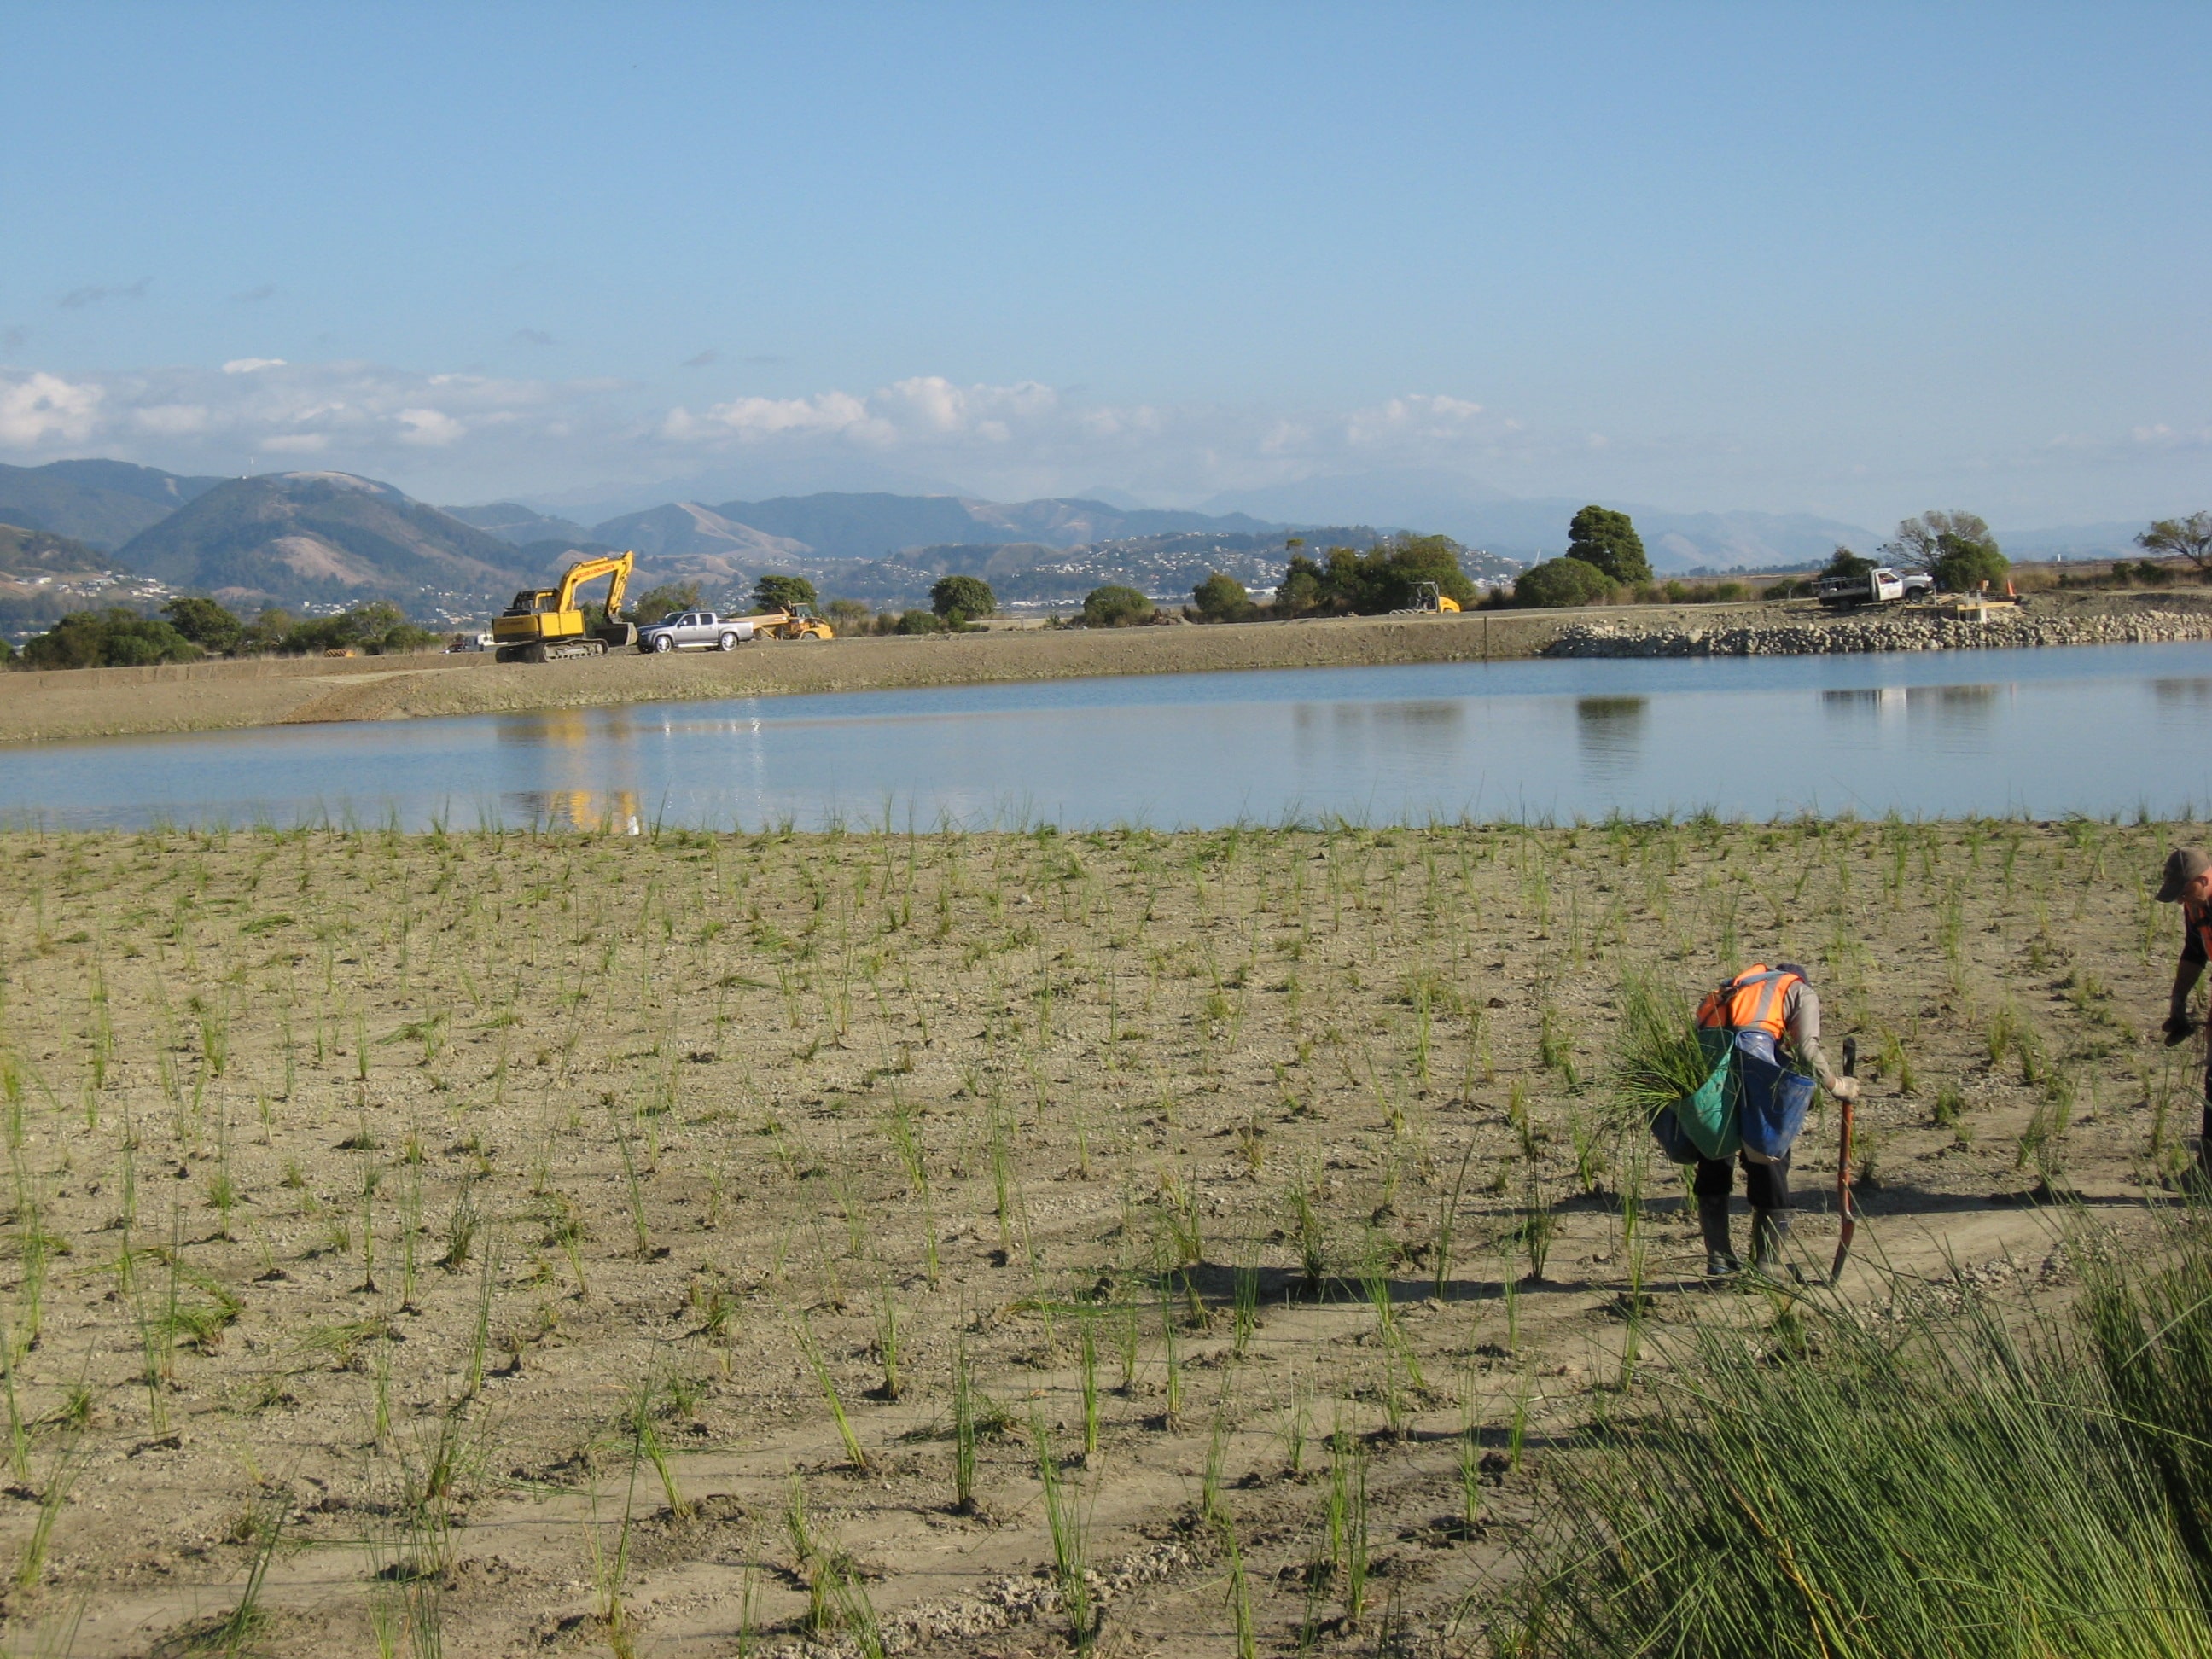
x=1752 y=1001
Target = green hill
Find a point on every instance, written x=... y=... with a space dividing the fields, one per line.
x=306 y=538
x=26 y=554
x=103 y=503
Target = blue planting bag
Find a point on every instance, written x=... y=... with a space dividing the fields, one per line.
x=1771 y=1100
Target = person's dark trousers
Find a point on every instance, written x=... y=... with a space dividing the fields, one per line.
x=1767 y=1187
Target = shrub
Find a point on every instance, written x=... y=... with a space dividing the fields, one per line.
x=850 y=614
x=1563 y=580
x=1114 y=606
x=266 y=632
x=114 y=638
x=921 y=622
x=1221 y=598
x=376 y=629
x=1728 y=592
x=1381 y=578
x=1963 y=566
x=780 y=593
x=963 y=597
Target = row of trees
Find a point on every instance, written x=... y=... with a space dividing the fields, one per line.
x=1344 y=581
x=1605 y=554
x=191 y=626
x=955 y=602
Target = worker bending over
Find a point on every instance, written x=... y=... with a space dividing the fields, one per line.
x=2188 y=883
x=1779 y=1005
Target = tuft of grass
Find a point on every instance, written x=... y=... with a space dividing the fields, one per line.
x=1656 y=1058
x=1976 y=1486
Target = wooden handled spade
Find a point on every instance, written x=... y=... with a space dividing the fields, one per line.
x=1844 y=1171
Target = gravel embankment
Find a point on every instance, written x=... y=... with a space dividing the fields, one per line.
x=1889 y=631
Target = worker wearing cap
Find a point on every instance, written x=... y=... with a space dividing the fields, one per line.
x=2188 y=883
x=1780 y=1003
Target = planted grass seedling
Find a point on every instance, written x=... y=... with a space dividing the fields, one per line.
x=1068 y=1522
x=820 y=1366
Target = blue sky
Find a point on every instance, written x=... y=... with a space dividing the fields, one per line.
x=1858 y=260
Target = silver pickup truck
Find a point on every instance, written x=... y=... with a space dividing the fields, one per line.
x=695 y=630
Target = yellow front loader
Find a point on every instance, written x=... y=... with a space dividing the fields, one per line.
x=544 y=624
x=798 y=623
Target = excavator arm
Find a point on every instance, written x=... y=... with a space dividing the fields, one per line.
x=585 y=570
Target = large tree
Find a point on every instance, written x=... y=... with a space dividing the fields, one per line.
x=1599 y=535
x=669 y=600
x=204 y=622
x=781 y=592
x=2190 y=537
x=969 y=597
x=1955 y=548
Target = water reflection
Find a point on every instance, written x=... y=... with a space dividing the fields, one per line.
x=1938 y=703
x=2052 y=731
x=599 y=812
x=1610 y=732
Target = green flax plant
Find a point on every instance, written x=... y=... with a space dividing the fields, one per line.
x=1965 y=1486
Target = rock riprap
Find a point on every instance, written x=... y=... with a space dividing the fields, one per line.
x=1893 y=630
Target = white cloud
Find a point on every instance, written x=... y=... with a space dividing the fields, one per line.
x=429 y=426
x=458 y=435
x=40 y=408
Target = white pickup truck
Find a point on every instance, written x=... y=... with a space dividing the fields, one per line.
x=1880 y=585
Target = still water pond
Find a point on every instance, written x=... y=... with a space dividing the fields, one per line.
x=2099 y=730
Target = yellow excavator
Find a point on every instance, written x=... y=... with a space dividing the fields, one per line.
x=546 y=624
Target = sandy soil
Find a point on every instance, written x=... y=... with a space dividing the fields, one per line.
x=204 y=696
x=386 y=1211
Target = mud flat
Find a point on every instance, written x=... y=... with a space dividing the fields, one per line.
x=491 y=1243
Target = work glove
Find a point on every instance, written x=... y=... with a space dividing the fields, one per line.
x=1845 y=1089
x=2178 y=1028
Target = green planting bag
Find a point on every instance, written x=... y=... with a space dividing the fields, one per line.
x=1708 y=1118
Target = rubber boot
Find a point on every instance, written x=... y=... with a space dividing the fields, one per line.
x=1770 y=1231
x=1713 y=1222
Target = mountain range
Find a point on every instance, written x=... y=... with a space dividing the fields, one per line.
x=323 y=539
